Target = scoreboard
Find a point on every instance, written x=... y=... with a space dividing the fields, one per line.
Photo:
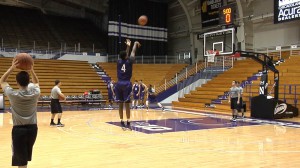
x=226 y=15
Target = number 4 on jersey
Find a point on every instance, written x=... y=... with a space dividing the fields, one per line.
x=123 y=68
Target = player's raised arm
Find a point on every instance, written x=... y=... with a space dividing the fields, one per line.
x=128 y=43
x=3 y=80
x=35 y=79
x=136 y=44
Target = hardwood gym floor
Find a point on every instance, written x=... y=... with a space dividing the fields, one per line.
x=159 y=139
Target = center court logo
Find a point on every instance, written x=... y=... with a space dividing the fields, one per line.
x=150 y=127
x=281 y=108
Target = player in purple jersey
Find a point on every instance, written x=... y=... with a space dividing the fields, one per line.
x=135 y=94
x=143 y=89
x=123 y=87
x=111 y=93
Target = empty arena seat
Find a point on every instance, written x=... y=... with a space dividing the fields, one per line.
x=47 y=32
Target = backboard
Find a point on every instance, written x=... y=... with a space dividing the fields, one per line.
x=221 y=40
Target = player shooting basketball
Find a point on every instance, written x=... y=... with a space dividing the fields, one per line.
x=23 y=107
x=124 y=87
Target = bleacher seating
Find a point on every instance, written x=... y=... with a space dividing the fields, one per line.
x=20 y=27
x=289 y=74
x=77 y=77
x=217 y=86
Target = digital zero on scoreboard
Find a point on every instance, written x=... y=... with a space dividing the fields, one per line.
x=226 y=14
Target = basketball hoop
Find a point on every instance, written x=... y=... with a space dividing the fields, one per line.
x=236 y=55
x=211 y=55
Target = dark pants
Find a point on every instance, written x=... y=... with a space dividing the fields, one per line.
x=23 y=139
x=233 y=103
x=55 y=106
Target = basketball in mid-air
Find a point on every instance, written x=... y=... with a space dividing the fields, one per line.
x=143 y=20
x=25 y=61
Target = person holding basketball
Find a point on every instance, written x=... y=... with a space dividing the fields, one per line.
x=56 y=94
x=234 y=100
x=124 y=73
x=23 y=108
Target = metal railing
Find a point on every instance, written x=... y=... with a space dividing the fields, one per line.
x=278 y=51
x=221 y=63
x=184 y=74
x=48 y=46
x=289 y=92
x=291 y=89
x=139 y=59
x=155 y=59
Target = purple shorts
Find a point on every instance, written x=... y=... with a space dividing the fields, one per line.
x=123 y=90
x=135 y=97
x=142 y=95
x=152 y=99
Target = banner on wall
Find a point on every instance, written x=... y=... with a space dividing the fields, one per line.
x=122 y=24
x=286 y=10
x=210 y=12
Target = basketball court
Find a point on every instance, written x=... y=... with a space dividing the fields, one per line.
x=93 y=138
x=81 y=43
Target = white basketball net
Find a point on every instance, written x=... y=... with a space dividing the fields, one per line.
x=211 y=55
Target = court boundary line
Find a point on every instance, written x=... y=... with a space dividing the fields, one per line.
x=292 y=124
